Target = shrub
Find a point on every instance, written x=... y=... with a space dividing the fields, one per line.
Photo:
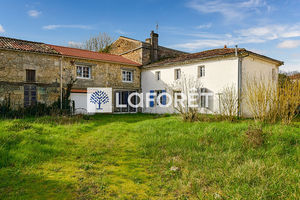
x=228 y=101
x=254 y=136
x=270 y=102
x=289 y=101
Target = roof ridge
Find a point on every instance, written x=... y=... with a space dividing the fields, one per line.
x=207 y=54
x=82 y=49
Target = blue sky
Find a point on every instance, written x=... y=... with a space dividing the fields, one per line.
x=269 y=27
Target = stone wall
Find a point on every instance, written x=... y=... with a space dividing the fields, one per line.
x=139 y=51
x=13 y=65
x=128 y=48
x=102 y=74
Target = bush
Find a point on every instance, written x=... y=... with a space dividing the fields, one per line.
x=254 y=136
x=270 y=102
x=228 y=101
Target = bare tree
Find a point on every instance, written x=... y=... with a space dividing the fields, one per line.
x=186 y=85
x=228 y=101
x=98 y=43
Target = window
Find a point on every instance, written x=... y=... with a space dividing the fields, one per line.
x=203 y=101
x=178 y=94
x=177 y=74
x=201 y=71
x=30 y=75
x=29 y=95
x=83 y=71
x=157 y=75
x=127 y=75
x=158 y=92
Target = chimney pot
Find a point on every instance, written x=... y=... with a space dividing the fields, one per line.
x=225 y=46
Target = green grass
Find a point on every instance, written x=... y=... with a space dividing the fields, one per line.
x=131 y=157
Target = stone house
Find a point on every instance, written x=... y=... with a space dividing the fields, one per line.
x=30 y=73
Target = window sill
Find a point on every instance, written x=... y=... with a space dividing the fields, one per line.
x=84 y=78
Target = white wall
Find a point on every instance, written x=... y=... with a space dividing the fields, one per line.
x=256 y=68
x=218 y=74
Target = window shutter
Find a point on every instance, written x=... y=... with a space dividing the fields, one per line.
x=152 y=98
x=164 y=98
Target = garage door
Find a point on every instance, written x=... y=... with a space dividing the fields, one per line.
x=80 y=102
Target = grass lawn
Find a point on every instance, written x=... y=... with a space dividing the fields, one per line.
x=145 y=157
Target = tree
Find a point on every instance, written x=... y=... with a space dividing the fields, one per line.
x=186 y=85
x=99 y=97
x=98 y=43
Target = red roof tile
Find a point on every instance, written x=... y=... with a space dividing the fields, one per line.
x=81 y=53
x=23 y=45
x=78 y=90
x=295 y=76
x=206 y=55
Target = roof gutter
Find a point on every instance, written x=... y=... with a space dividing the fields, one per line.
x=106 y=61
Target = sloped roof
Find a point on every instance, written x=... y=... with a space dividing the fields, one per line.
x=295 y=76
x=146 y=43
x=81 y=53
x=38 y=47
x=23 y=45
x=206 y=55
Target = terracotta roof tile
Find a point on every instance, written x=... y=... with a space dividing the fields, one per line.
x=81 y=53
x=204 y=55
x=23 y=45
x=295 y=76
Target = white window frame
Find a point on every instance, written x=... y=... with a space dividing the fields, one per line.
x=201 y=71
x=125 y=76
x=157 y=75
x=158 y=92
x=82 y=67
x=177 y=75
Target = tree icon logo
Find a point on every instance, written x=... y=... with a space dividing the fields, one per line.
x=99 y=97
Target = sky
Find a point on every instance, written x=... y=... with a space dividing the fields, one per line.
x=268 y=27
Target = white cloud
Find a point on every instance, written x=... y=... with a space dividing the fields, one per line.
x=272 y=32
x=1 y=29
x=204 y=26
x=197 y=44
x=56 y=26
x=75 y=44
x=121 y=32
x=230 y=10
x=253 y=35
x=34 y=13
x=289 y=44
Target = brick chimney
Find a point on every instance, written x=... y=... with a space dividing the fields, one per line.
x=154 y=46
